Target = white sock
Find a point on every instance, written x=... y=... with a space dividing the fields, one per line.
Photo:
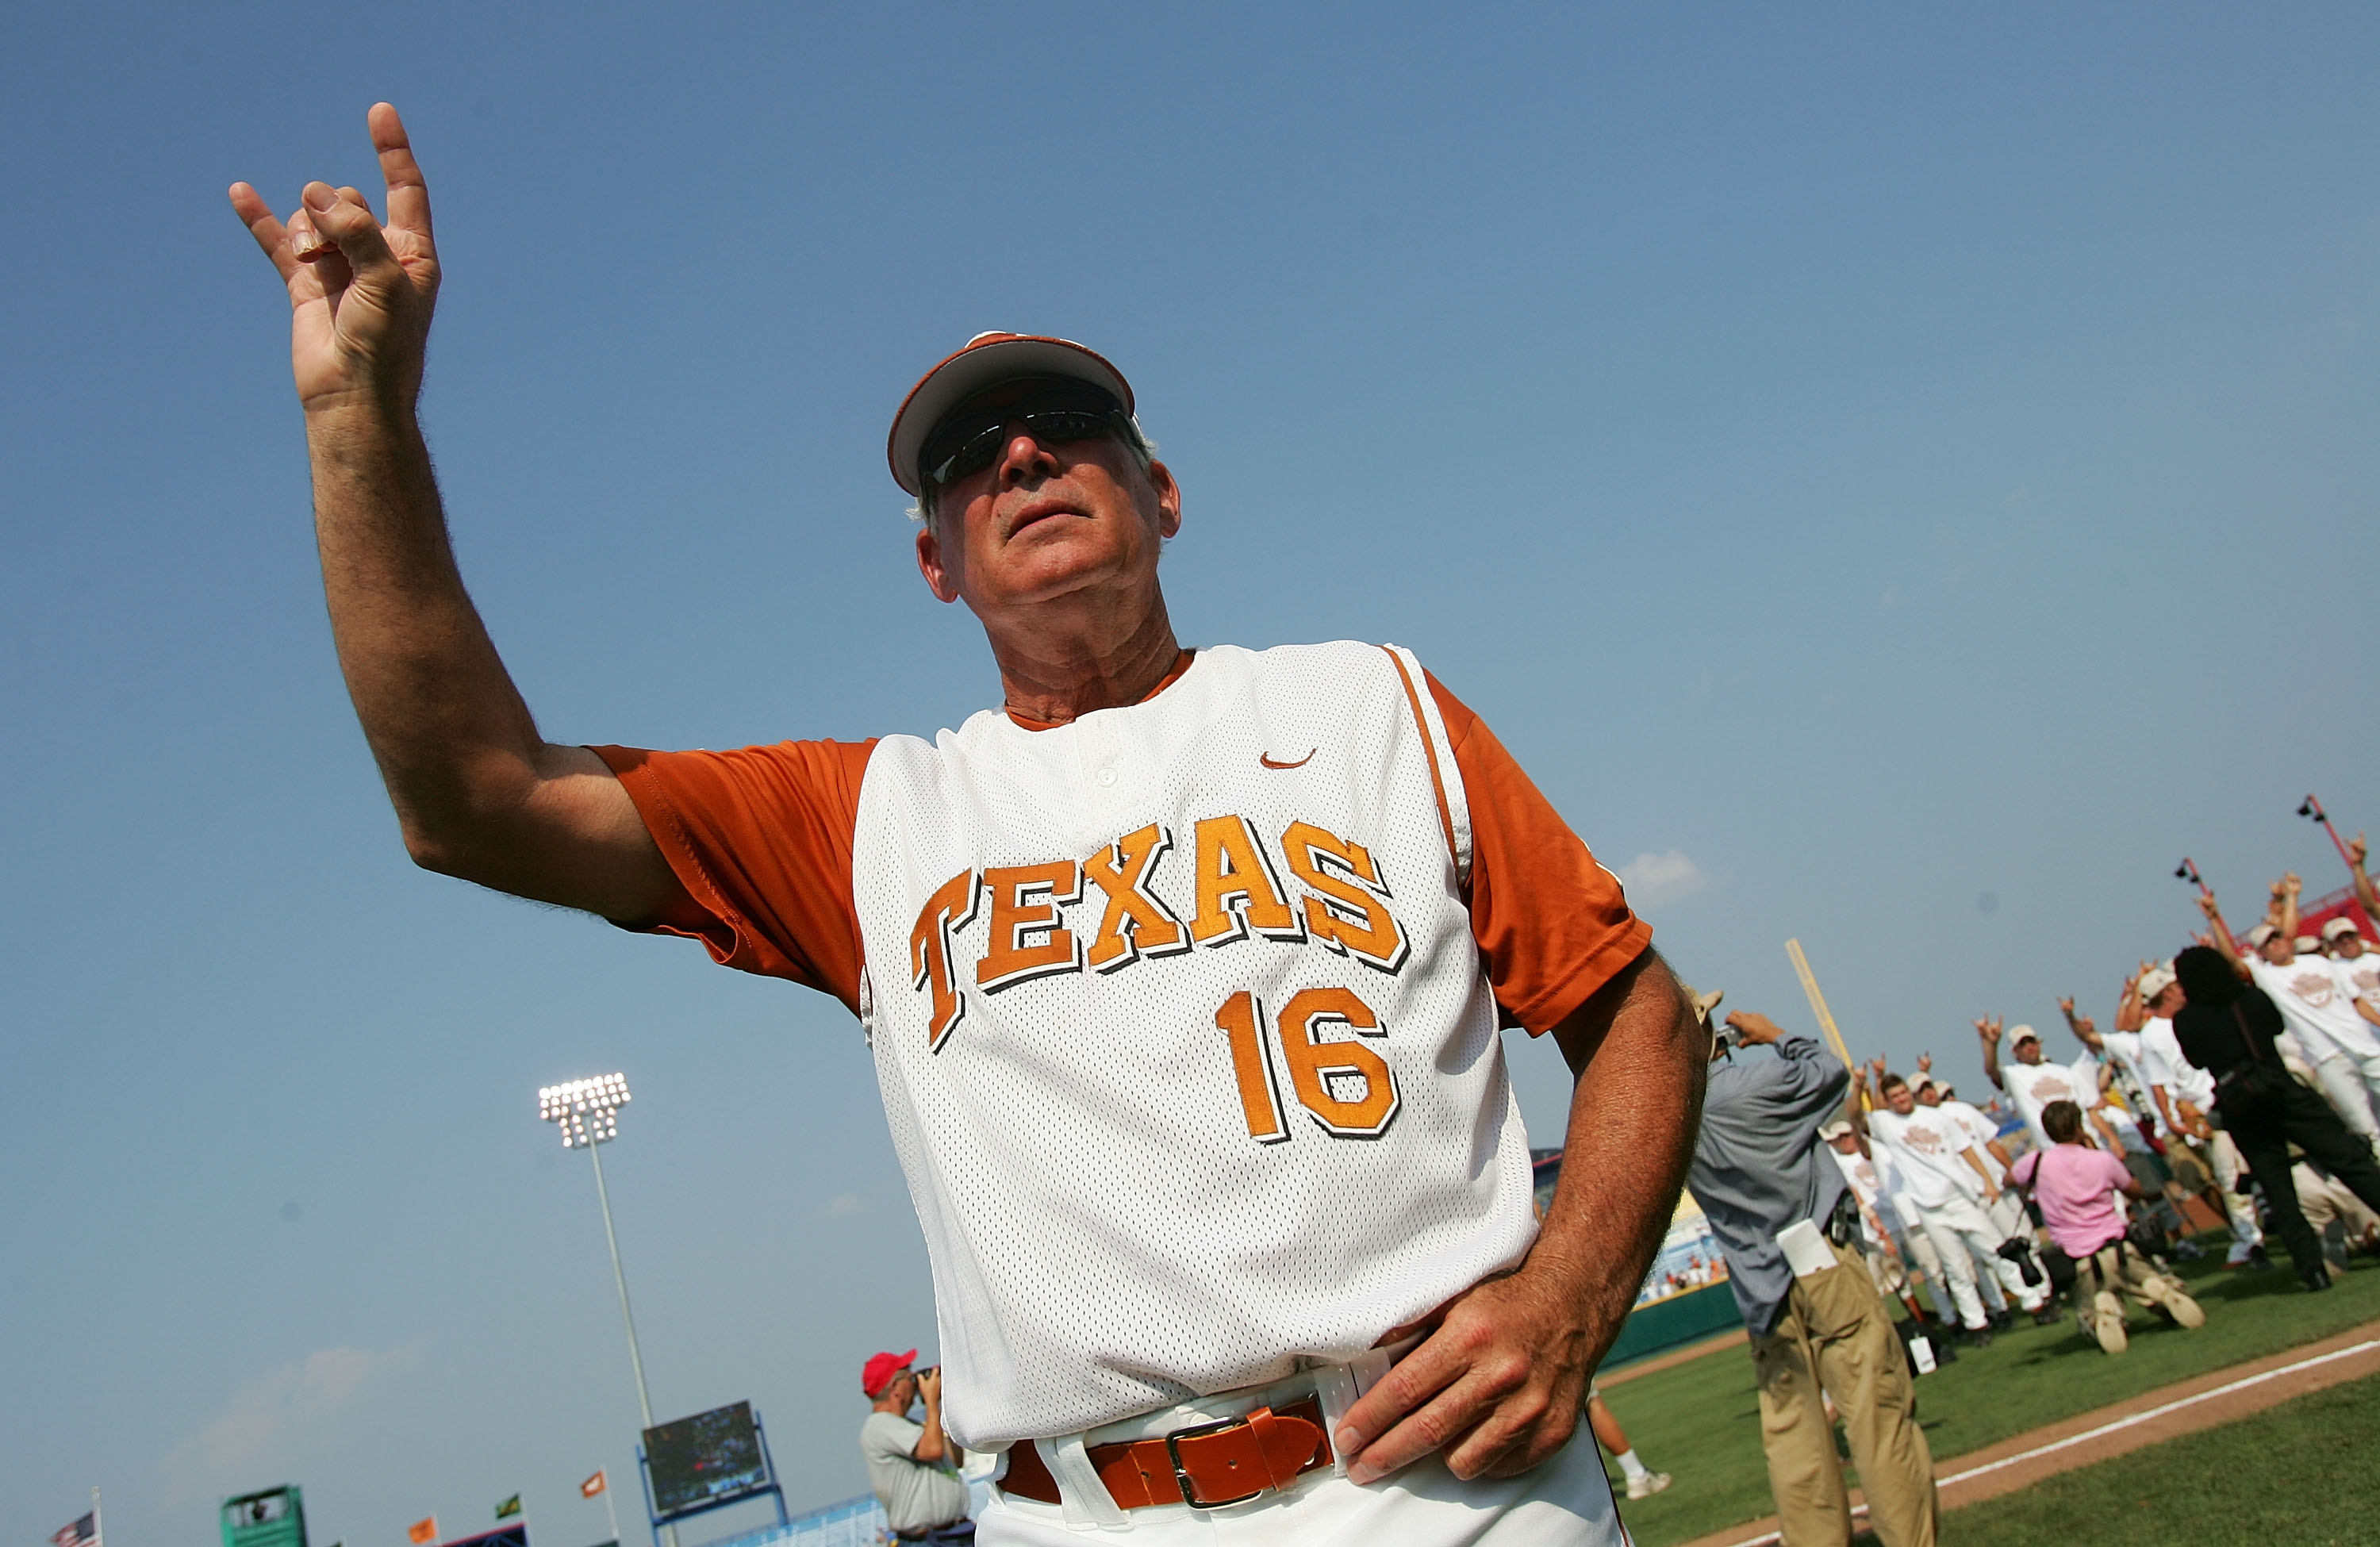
x=1630 y=1465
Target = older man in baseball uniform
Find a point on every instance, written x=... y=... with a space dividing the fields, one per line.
x=1183 y=971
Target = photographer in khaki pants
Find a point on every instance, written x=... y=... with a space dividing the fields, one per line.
x=1760 y=1173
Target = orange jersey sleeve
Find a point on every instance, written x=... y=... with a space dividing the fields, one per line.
x=760 y=838
x=1552 y=925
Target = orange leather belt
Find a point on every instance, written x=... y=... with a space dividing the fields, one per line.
x=1206 y=1467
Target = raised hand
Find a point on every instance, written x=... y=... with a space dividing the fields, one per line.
x=2065 y=1006
x=1753 y=1027
x=2358 y=850
x=2292 y=884
x=1988 y=1029
x=1925 y=1063
x=2207 y=904
x=361 y=292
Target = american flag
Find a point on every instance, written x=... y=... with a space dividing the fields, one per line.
x=83 y=1531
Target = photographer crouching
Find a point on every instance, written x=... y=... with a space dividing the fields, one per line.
x=1774 y=1199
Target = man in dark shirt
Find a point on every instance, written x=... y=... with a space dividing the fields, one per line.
x=1759 y=1171
x=2228 y=1028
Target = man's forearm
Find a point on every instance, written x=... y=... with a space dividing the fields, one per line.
x=450 y=733
x=1634 y=1110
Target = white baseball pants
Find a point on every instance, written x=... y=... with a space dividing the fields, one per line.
x=2351 y=1081
x=1963 y=1236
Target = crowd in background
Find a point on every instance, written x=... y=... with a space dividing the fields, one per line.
x=2241 y=1083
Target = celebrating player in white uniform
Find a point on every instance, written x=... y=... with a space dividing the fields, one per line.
x=1183 y=971
x=2184 y=1095
x=1949 y=1182
x=2333 y=1028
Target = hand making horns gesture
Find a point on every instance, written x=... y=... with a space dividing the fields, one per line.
x=1988 y=1029
x=360 y=294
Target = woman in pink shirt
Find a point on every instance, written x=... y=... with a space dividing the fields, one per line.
x=2076 y=1187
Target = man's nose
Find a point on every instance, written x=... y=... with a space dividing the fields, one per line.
x=1025 y=460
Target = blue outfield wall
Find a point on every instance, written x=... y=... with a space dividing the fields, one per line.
x=1660 y=1325
x=853 y=1523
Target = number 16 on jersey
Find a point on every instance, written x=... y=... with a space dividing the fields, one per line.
x=1323 y=1072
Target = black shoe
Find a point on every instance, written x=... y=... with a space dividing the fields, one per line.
x=2319 y=1280
x=2000 y=1320
x=2259 y=1259
x=2187 y=1251
x=2045 y=1315
x=1981 y=1337
x=2334 y=1244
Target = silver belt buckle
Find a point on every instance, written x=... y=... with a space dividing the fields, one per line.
x=1182 y=1473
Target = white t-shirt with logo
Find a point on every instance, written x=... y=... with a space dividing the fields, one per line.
x=1928 y=1149
x=2362 y=975
x=1981 y=1131
x=2318 y=1003
x=2035 y=1086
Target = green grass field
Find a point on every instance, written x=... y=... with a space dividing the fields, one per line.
x=2306 y=1473
x=1700 y=1420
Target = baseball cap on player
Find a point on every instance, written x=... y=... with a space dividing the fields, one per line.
x=2257 y=937
x=2156 y=980
x=878 y=1372
x=1834 y=1130
x=2021 y=1033
x=2342 y=925
x=985 y=361
x=2306 y=945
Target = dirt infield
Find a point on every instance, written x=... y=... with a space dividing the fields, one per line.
x=2202 y=1402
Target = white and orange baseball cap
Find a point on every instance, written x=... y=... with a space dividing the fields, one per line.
x=985 y=361
x=2338 y=928
x=2257 y=937
x=2156 y=979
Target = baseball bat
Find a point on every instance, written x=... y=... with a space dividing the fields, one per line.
x=1825 y=1017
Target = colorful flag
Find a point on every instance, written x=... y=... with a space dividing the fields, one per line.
x=422 y=1530
x=85 y=1531
x=593 y=1486
x=509 y=1508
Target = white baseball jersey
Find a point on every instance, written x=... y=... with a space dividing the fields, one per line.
x=2318 y=1003
x=1183 y=1035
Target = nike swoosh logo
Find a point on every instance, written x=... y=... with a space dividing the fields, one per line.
x=1265 y=758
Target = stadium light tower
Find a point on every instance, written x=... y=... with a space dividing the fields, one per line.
x=587 y=1113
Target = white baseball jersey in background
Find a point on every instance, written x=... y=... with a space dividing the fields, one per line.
x=1183 y=1035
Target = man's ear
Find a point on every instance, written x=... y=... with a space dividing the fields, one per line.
x=930 y=565
x=1169 y=498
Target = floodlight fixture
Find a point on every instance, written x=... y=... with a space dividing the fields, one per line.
x=2310 y=809
x=586 y=1110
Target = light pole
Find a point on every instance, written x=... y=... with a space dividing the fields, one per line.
x=587 y=1111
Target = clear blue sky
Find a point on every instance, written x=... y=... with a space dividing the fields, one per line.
x=1909 y=472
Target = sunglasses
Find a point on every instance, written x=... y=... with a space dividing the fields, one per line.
x=968 y=447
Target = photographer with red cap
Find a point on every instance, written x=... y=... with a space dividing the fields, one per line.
x=913 y=1467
